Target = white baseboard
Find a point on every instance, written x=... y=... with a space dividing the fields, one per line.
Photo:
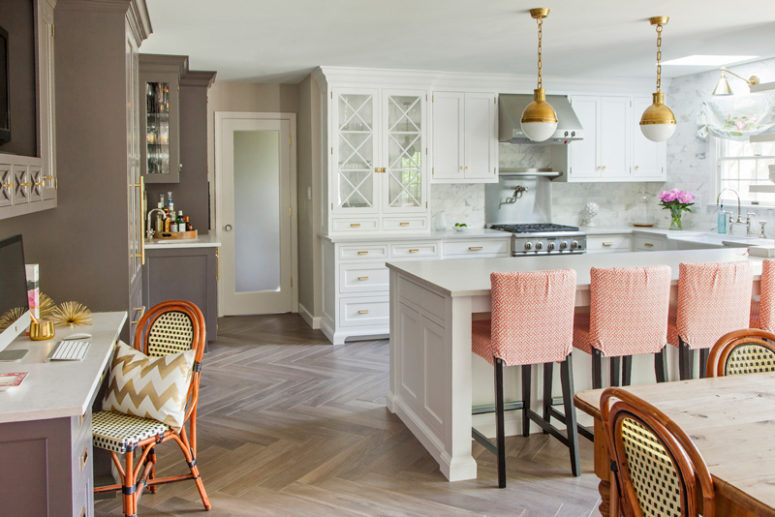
x=312 y=321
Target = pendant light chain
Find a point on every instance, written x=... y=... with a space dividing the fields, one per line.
x=540 y=52
x=659 y=57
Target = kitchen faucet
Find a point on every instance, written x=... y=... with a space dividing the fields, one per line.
x=149 y=231
x=718 y=200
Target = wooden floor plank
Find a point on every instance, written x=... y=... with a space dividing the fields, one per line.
x=290 y=425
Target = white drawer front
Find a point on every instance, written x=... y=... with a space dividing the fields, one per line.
x=400 y=224
x=356 y=224
x=355 y=278
x=365 y=252
x=600 y=243
x=474 y=248
x=362 y=312
x=649 y=244
x=415 y=250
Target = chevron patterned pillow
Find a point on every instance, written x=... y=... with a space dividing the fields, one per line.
x=149 y=387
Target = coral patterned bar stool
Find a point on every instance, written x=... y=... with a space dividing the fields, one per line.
x=763 y=310
x=532 y=323
x=713 y=299
x=627 y=315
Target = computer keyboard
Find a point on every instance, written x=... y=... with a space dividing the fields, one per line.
x=70 y=350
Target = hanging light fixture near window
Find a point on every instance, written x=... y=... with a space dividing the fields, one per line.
x=658 y=122
x=539 y=120
x=722 y=86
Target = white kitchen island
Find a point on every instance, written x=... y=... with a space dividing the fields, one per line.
x=432 y=302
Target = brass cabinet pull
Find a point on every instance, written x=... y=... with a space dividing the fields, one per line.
x=25 y=184
x=355 y=225
x=608 y=244
x=380 y=169
x=362 y=278
x=141 y=310
x=414 y=250
x=648 y=245
x=84 y=458
x=467 y=167
x=363 y=311
x=403 y=223
x=363 y=252
x=41 y=183
x=474 y=248
x=7 y=185
x=461 y=167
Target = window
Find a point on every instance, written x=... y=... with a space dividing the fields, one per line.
x=742 y=164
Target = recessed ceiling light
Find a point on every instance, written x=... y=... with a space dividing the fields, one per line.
x=707 y=60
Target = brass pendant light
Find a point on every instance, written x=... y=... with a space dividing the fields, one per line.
x=658 y=122
x=539 y=121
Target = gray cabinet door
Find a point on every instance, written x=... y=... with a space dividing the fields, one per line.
x=183 y=274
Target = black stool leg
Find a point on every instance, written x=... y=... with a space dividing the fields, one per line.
x=660 y=365
x=526 y=399
x=597 y=369
x=499 y=427
x=704 y=353
x=626 y=370
x=548 y=373
x=684 y=360
x=615 y=371
x=566 y=374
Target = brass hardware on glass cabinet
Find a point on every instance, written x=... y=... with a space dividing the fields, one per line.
x=363 y=252
x=414 y=250
x=379 y=169
x=363 y=311
x=362 y=278
x=141 y=310
x=474 y=248
x=355 y=225
x=403 y=223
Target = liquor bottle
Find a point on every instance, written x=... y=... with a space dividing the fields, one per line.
x=173 y=224
x=181 y=221
x=189 y=226
x=170 y=204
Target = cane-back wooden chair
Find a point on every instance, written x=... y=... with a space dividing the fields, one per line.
x=167 y=328
x=742 y=351
x=659 y=471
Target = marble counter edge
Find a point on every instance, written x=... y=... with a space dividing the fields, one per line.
x=431 y=236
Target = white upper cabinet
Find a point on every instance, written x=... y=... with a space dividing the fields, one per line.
x=613 y=148
x=378 y=173
x=465 y=137
x=648 y=159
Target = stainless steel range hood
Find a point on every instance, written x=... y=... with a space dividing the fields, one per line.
x=511 y=106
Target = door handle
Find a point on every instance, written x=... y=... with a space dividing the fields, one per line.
x=228 y=227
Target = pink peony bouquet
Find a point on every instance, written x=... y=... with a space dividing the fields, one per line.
x=677 y=201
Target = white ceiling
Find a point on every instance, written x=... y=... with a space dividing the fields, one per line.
x=282 y=40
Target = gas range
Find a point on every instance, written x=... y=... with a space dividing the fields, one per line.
x=544 y=239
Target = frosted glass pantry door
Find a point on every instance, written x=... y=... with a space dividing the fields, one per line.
x=255 y=216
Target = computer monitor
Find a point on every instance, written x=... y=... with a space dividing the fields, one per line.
x=14 y=304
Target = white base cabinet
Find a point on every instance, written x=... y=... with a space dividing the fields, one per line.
x=356 y=288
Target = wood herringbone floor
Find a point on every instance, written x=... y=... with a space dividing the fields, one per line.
x=290 y=425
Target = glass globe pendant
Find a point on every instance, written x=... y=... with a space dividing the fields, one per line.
x=658 y=121
x=539 y=121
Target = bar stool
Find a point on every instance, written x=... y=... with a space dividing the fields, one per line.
x=627 y=315
x=713 y=299
x=532 y=323
x=763 y=310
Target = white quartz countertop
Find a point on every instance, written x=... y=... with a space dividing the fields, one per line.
x=208 y=240
x=57 y=389
x=479 y=233
x=471 y=277
x=682 y=235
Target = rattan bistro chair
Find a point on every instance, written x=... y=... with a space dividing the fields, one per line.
x=658 y=469
x=742 y=351
x=169 y=327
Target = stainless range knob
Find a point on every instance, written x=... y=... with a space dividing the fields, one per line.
x=550 y=246
x=563 y=245
x=574 y=245
x=528 y=246
x=539 y=246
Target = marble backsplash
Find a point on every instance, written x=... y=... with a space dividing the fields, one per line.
x=689 y=167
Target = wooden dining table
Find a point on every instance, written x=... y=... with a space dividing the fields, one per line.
x=732 y=422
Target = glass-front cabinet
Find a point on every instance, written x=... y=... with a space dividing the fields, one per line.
x=160 y=120
x=378 y=160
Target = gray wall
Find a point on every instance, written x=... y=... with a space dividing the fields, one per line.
x=192 y=193
x=18 y=18
x=81 y=245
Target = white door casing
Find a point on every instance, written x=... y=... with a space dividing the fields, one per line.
x=272 y=129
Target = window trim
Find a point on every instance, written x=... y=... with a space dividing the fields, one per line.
x=745 y=201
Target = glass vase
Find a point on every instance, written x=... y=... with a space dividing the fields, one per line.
x=675 y=219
